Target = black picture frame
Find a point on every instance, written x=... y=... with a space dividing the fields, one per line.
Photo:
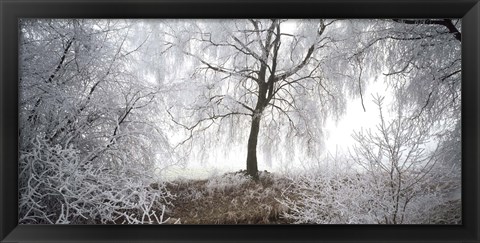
x=12 y=10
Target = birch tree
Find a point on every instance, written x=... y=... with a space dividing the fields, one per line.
x=272 y=73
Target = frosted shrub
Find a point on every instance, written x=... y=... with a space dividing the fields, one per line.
x=321 y=198
x=327 y=199
x=57 y=187
x=400 y=178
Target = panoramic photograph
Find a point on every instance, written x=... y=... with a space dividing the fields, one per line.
x=240 y=121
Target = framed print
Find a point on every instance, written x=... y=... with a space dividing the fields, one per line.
x=238 y=121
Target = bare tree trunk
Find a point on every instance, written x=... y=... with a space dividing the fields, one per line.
x=252 y=168
x=252 y=165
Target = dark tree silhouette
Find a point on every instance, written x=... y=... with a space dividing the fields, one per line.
x=267 y=68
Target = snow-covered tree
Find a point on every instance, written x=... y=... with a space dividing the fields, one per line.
x=274 y=81
x=389 y=179
x=398 y=156
x=90 y=114
x=421 y=60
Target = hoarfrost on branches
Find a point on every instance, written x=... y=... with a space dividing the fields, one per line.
x=396 y=178
x=107 y=105
x=88 y=144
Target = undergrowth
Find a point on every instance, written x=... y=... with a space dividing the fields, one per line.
x=232 y=198
x=235 y=198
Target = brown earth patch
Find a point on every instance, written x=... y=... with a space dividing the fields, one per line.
x=230 y=199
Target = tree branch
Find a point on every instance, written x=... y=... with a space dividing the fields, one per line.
x=444 y=22
x=297 y=68
x=220 y=69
